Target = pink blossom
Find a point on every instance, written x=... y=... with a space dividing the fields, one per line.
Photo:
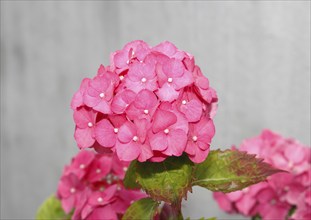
x=122 y=100
x=190 y=104
x=129 y=142
x=69 y=189
x=99 y=193
x=85 y=120
x=141 y=76
x=202 y=86
x=80 y=164
x=158 y=92
x=133 y=50
x=273 y=199
x=169 y=131
x=99 y=94
x=199 y=139
x=143 y=106
x=172 y=75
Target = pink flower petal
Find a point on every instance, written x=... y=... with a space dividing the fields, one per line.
x=129 y=151
x=68 y=204
x=104 y=133
x=158 y=141
x=190 y=148
x=117 y=120
x=245 y=204
x=122 y=100
x=84 y=137
x=235 y=196
x=103 y=107
x=77 y=99
x=173 y=68
x=83 y=116
x=139 y=70
x=103 y=212
x=223 y=201
x=177 y=140
x=192 y=110
x=162 y=120
x=294 y=153
x=199 y=156
x=120 y=59
x=110 y=192
x=202 y=82
x=145 y=153
x=145 y=99
x=185 y=80
x=167 y=93
x=126 y=132
x=166 y=47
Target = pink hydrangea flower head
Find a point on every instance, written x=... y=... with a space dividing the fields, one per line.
x=98 y=193
x=274 y=199
x=158 y=92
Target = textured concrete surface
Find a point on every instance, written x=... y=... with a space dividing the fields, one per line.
x=256 y=55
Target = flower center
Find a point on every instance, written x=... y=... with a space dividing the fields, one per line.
x=116 y=130
x=98 y=170
x=102 y=95
x=135 y=138
x=194 y=138
x=166 y=131
x=273 y=202
x=184 y=102
x=170 y=79
x=72 y=190
x=121 y=77
x=144 y=80
x=82 y=166
x=146 y=111
x=90 y=124
x=99 y=199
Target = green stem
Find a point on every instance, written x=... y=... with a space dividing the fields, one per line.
x=176 y=212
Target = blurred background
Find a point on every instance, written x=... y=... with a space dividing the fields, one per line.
x=256 y=55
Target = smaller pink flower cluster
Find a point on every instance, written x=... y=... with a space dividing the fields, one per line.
x=282 y=192
x=91 y=186
x=150 y=103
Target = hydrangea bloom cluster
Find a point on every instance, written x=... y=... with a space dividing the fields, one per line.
x=150 y=103
x=91 y=186
x=282 y=192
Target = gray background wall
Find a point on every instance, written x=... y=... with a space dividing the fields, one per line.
x=256 y=55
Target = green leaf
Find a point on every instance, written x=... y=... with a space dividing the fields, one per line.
x=142 y=209
x=130 y=179
x=231 y=170
x=50 y=209
x=166 y=181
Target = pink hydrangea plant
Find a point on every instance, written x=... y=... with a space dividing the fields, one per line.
x=148 y=104
x=282 y=192
x=91 y=187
